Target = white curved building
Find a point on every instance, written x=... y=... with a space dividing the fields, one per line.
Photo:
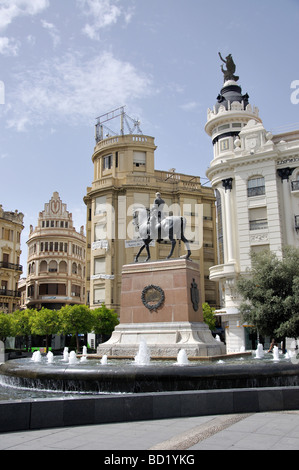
x=56 y=259
x=256 y=179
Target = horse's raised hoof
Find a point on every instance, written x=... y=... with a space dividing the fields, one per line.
x=147 y=259
x=187 y=256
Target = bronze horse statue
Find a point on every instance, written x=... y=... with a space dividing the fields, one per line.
x=170 y=228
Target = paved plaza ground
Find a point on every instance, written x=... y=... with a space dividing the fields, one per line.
x=251 y=431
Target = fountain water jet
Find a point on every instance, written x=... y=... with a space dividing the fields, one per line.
x=275 y=354
x=143 y=356
x=66 y=354
x=50 y=357
x=73 y=358
x=36 y=356
x=104 y=360
x=84 y=355
x=182 y=358
x=259 y=353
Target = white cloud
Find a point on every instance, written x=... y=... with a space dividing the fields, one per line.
x=9 y=46
x=52 y=31
x=11 y=9
x=190 y=106
x=70 y=89
x=103 y=13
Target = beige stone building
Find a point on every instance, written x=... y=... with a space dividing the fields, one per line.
x=56 y=259
x=11 y=226
x=124 y=179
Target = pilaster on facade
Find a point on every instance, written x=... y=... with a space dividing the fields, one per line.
x=11 y=227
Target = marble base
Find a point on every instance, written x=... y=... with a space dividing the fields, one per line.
x=163 y=340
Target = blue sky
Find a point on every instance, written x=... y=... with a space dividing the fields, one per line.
x=65 y=62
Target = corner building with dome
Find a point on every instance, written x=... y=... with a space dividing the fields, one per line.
x=255 y=176
x=56 y=259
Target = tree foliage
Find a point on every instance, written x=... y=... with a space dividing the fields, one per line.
x=75 y=320
x=5 y=326
x=45 y=322
x=69 y=320
x=209 y=316
x=271 y=293
x=105 y=320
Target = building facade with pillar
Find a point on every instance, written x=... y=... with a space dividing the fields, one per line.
x=255 y=176
x=11 y=227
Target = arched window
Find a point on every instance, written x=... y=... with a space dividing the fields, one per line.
x=53 y=267
x=256 y=186
x=43 y=267
x=62 y=267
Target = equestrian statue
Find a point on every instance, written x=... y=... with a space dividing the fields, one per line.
x=153 y=225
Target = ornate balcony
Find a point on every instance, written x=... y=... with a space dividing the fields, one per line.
x=9 y=293
x=12 y=266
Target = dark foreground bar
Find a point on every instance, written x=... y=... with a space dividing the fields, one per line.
x=49 y=413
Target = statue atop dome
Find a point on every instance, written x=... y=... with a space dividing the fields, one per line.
x=230 y=68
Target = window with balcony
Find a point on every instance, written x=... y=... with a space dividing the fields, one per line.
x=107 y=162
x=62 y=267
x=139 y=159
x=100 y=205
x=100 y=231
x=258 y=219
x=99 y=295
x=52 y=289
x=256 y=187
x=53 y=266
x=295 y=185
x=99 y=266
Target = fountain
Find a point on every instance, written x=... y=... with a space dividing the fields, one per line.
x=104 y=360
x=275 y=354
x=146 y=374
x=73 y=358
x=84 y=355
x=36 y=356
x=50 y=357
x=66 y=354
x=143 y=355
x=182 y=358
x=259 y=353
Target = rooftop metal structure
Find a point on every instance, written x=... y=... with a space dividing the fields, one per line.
x=128 y=125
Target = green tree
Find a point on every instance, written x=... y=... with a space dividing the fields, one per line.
x=105 y=320
x=45 y=322
x=271 y=293
x=21 y=324
x=5 y=326
x=75 y=320
x=209 y=316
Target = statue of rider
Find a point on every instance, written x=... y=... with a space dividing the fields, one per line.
x=157 y=211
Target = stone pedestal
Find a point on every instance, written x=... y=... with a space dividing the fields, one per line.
x=161 y=303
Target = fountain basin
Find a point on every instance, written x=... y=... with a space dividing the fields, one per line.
x=131 y=378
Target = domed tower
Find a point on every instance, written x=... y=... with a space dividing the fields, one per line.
x=229 y=115
x=247 y=185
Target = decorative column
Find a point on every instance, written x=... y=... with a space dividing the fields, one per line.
x=228 y=186
x=284 y=174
